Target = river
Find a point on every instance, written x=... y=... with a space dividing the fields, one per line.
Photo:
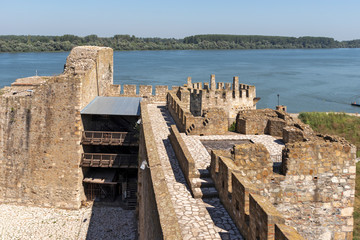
x=305 y=79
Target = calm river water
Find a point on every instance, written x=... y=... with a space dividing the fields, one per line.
x=307 y=80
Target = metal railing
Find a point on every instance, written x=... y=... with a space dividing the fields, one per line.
x=108 y=160
x=109 y=138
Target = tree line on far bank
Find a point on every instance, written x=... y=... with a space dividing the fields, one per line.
x=31 y=43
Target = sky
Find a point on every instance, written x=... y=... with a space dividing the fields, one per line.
x=339 y=19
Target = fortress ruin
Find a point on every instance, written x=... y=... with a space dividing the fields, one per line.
x=75 y=137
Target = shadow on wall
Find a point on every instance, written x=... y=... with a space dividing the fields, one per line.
x=108 y=222
x=175 y=167
x=168 y=119
x=221 y=219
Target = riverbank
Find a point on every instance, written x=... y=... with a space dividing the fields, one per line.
x=31 y=43
x=296 y=115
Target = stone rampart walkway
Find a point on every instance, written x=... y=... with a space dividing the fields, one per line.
x=202 y=157
x=198 y=218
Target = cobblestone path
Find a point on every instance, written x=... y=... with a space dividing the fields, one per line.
x=198 y=218
x=202 y=157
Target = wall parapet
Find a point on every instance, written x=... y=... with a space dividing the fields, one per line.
x=144 y=91
x=253 y=214
x=184 y=157
x=284 y=232
x=168 y=221
x=211 y=122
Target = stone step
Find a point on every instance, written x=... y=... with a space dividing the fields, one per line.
x=202 y=182
x=205 y=192
x=204 y=173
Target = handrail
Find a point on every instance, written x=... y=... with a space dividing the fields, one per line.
x=107 y=159
x=105 y=137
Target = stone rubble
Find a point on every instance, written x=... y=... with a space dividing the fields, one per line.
x=198 y=218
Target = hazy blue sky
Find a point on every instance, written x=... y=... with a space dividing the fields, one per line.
x=166 y=18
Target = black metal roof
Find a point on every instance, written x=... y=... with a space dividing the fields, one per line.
x=124 y=106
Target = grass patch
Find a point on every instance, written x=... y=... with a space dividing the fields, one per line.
x=339 y=124
x=345 y=126
x=232 y=127
x=357 y=204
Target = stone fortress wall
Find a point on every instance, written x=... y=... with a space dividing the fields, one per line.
x=219 y=95
x=40 y=130
x=200 y=110
x=313 y=190
x=144 y=91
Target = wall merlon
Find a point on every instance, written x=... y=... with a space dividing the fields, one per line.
x=235 y=84
x=220 y=86
x=114 y=90
x=189 y=84
x=161 y=91
x=129 y=90
x=212 y=82
x=145 y=90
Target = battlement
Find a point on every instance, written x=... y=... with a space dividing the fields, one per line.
x=212 y=121
x=315 y=172
x=221 y=90
x=192 y=105
x=144 y=91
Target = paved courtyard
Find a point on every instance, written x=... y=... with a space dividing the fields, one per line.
x=24 y=222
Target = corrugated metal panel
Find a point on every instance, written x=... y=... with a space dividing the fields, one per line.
x=125 y=106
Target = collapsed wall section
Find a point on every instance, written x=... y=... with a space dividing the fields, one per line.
x=40 y=131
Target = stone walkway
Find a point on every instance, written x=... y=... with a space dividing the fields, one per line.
x=198 y=218
x=25 y=222
x=202 y=157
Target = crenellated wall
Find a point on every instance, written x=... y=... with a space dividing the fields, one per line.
x=220 y=95
x=211 y=122
x=209 y=109
x=40 y=130
x=253 y=214
x=144 y=91
x=314 y=194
